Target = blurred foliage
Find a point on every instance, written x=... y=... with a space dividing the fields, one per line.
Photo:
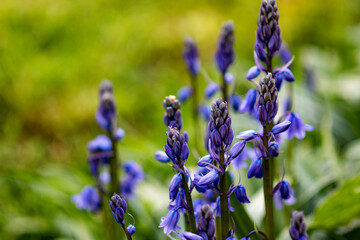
x=53 y=54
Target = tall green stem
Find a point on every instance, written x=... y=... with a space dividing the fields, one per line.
x=224 y=89
x=190 y=211
x=224 y=204
x=268 y=165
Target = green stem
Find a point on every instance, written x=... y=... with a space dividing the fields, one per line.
x=224 y=204
x=127 y=234
x=268 y=168
x=195 y=104
x=114 y=167
x=190 y=211
x=224 y=89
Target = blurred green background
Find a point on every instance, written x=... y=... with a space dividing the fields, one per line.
x=53 y=55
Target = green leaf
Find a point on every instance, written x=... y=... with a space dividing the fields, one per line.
x=340 y=208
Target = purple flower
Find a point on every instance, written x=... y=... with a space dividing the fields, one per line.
x=297 y=128
x=131 y=229
x=235 y=102
x=267 y=100
x=219 y=127
x=175 y=183
x=297 y=226
x=255 y=169
x=184 y=94
x=206 y=222
x=225 y=53
x=191 y=56
x=118 y=208
x=274 y=148
x=281 y=127
x=172 y=116
x=211 y=89
x=134 y=171
x=285 y=190
x=247 y=135
x=203 y=110
x=179 y=202
x=217 y=209
x=106 y=113
x=100 y=150
x=240 y=194
x=248 y=104
x=253 y=72
x=169 y=223
x=162 y=157
x=236 y=150
x=208 y=179
x=88 y=199
x=176 y=148
x=190 y=236
x=205 y=161
x=119 y=134
x=100 y=144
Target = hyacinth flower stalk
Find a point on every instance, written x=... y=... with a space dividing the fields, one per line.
x=106 y=118
x=220 y=140
x=118 y=208
x=192 y=62
x=225 y=54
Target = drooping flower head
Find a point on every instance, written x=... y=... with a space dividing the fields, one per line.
x=297 y=226
x=172 y=116
x=191 y=56
x=267 y=99
x=206 y=222
x=118 y=208
x=297 y=128
x=268 y=31
x=134 y=175
x=225 y=53
x=88 y=199
x=169 y=223
x=221 y=133
x=106 y=113
x=176 y=147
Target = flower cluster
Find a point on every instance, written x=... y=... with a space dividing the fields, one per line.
x=172 y=116
x=297 y=226
x=118 y=208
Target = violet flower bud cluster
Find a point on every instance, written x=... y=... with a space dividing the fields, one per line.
x=297 y=226
x=118 y=208
x=206 y=222
x=106 y=113
x=191 y=56
x=225 y=54
x=172 y=116
x=267 y=99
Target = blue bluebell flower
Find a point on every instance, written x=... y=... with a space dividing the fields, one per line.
x=297 y=226
x=284 y=188
x=205 y=161
x=210 y=178
x=229 y=78
x=203 y=110
x=118 y=208
x=169 y=223
x=129 y=183
x=191 y=56
x=240 y=193
x=225 y=54
x=131 y=229
x=248 y=103
x=247 y=135
x=253 y=72
x=235 y=102
x=190 y=236
x=184 y=93
x=281 y=127
x=174 y=185
x=217 y=208
x=119 y=134
x=100 y=150
x=134 y=170
x=162 y=157
x=88 y=199
x=255 y=169
x=297 y=128
x=274 y=148
x=100 y=144
x=211 y=89
x=179 y=202
x=172 y=116
x=106 y=113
